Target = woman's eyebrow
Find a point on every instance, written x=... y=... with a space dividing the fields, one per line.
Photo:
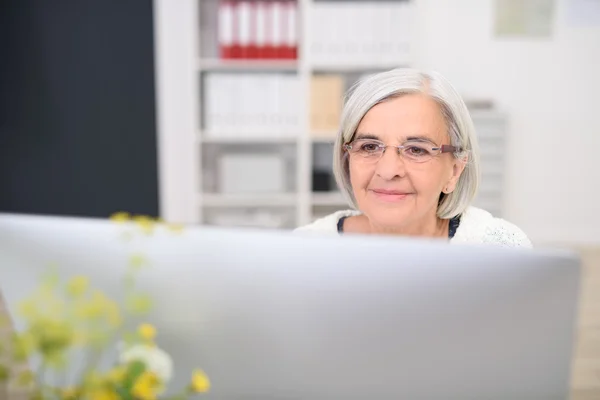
x=366 y=136
x=413 y=138
x=420 y=138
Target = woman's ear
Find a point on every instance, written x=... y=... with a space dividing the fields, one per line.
x=457 y=169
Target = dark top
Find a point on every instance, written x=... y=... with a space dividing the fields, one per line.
x=454 y=223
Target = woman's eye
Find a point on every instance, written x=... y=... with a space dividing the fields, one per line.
x=370 y=147
x=417 y=151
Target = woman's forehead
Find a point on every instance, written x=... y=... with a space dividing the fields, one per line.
x=405 y=117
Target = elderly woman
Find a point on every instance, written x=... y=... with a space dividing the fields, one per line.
x=406 y=158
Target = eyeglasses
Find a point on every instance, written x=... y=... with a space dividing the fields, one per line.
x=371 y=150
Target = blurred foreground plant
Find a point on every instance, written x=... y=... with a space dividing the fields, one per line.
x=65 y=317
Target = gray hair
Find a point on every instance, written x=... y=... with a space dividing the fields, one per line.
x=383 y=86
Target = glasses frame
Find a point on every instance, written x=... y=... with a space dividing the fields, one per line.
x=445 y=148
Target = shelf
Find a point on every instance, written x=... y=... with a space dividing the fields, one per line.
x=247 y=200
x=348 y=68
x=328 y=199
x=228 y=138
x=216 y=64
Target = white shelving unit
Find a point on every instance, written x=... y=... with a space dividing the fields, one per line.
x=187 y=61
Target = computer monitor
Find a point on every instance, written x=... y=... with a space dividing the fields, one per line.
x=281 y=315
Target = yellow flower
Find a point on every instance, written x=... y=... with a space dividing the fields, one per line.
x=92 y=379
x=117 y=374
x=28 y=309
x=175 y=228
x=138 y=303
x=200 y=382
x=44 y=302
x=99 y=307
x=103 y=394
x=146 y=386
x=120 y=217
x=53 y=338
x=77 y=286
x=22 y=346
x=147 y=332
x=68 y=393
x=137 y=261
x=154 y=359
x=92 y=308
x=145 y=223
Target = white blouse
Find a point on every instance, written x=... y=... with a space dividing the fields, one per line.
x=476 y=226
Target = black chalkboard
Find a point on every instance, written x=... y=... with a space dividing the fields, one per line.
x=77 y=107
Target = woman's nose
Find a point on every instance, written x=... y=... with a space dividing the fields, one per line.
x=391 y=164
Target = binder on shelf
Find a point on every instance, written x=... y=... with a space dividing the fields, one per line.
x=251 y=105
x=384 y=41
x=275 y=30
x=236 y=50
x=326 y=97
x=259 y=25
x=261 y=29
x=244 y=28
x=225 y=29
x=290 y=45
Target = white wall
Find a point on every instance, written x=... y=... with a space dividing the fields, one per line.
x=175 y=41
x=549 y=88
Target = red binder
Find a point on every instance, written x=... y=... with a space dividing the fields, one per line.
x=275 y=31
x=225 y=29
x=244 y=27
x=260 y=28
x=252 y=45
x=236 y=50
x=290 y=44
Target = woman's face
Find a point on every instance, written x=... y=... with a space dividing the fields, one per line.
x=399 y=189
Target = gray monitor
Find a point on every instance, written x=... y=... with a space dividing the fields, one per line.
x=288 y=316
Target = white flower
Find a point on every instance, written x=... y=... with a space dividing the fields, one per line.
x=155 y=359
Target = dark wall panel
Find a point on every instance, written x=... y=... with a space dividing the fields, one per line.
x=77 y=107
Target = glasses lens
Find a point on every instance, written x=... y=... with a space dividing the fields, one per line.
x=417 y=152
x=371 y=150
x=367 y=149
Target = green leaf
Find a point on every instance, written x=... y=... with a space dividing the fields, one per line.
x=124 y=394
x=25 y=378
x=182 y=396
x=134 y=370
x=4 y=373
x=37 y=395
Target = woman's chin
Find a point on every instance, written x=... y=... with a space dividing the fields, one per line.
x=391 y=218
